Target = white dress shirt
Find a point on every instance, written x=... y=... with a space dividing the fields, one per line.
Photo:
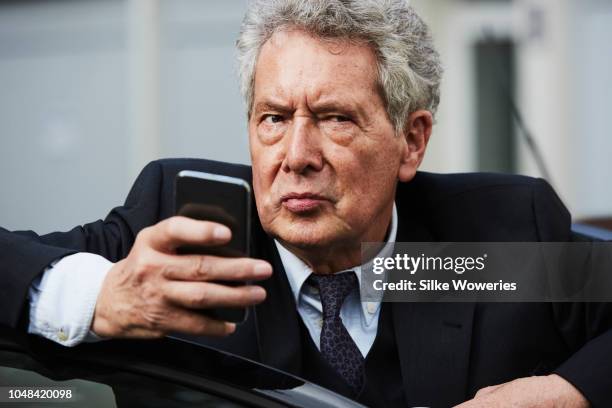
x=63 y=299
x=359 y=317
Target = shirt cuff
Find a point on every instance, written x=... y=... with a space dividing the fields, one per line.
x=63 y=299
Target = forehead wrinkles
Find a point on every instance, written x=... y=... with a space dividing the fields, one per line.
x=314 y=99
x=303 y=71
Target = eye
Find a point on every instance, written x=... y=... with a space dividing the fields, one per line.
x=339 y=118
x=271 y=118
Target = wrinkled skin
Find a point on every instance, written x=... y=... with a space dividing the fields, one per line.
x=326 y=157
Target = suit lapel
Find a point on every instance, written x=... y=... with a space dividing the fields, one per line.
x=433 y=339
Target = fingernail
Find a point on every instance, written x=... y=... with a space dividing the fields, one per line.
x=230 y=328
x=258 y=293
x=262 y=269
x=221 y=233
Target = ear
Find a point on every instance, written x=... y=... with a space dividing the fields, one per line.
x=416 y=136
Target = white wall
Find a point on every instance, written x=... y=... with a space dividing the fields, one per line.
x=79 y=114
x=456 y=26
x=545 y=94
x=564 y=90
x=591 y=116
x=203 y=114
x=62 y=112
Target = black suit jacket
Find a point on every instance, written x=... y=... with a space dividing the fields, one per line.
x=447 y=351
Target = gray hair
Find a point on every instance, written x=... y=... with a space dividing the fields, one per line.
x=409 y=68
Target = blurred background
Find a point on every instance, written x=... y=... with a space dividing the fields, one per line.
x=91 y=90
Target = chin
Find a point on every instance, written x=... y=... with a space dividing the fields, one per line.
x=306 y=235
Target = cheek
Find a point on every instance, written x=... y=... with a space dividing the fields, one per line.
x=367 y=177
x=261 y=189
x=265 y=168
x=264 y=164
x=261 y=183
x=259 y=158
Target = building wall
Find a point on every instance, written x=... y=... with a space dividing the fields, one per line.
x=62 y=112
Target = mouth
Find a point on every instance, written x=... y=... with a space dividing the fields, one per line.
x=302 y=202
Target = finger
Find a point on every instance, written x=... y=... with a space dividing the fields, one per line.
x=189 y=322
x=487 y=390
x=214 y=268
x=471 y=404
x=170 y=233
x=201 y=295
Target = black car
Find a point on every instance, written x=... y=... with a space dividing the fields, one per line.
x=170 y=372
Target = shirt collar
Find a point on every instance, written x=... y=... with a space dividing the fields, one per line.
x=297 y=271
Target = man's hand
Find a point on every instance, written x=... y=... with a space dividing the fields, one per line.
x=154 y=291
x=550 y=391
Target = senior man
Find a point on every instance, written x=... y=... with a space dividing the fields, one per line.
x=341 y=97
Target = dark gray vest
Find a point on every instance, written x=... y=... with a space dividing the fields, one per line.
x=383 y=382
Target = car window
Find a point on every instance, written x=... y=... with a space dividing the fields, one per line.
x=113 y=388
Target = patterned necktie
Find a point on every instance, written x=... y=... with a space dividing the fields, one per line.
x=337 y=346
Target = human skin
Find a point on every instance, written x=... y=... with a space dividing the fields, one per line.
x=326 y=157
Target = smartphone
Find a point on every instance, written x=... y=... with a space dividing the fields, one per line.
x=225 y=200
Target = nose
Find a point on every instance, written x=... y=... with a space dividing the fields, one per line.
x=303 y=148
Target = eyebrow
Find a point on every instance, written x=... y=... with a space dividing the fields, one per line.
x=271 y=106
x=317 y=107
x=334 y=106
x=326 y=104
